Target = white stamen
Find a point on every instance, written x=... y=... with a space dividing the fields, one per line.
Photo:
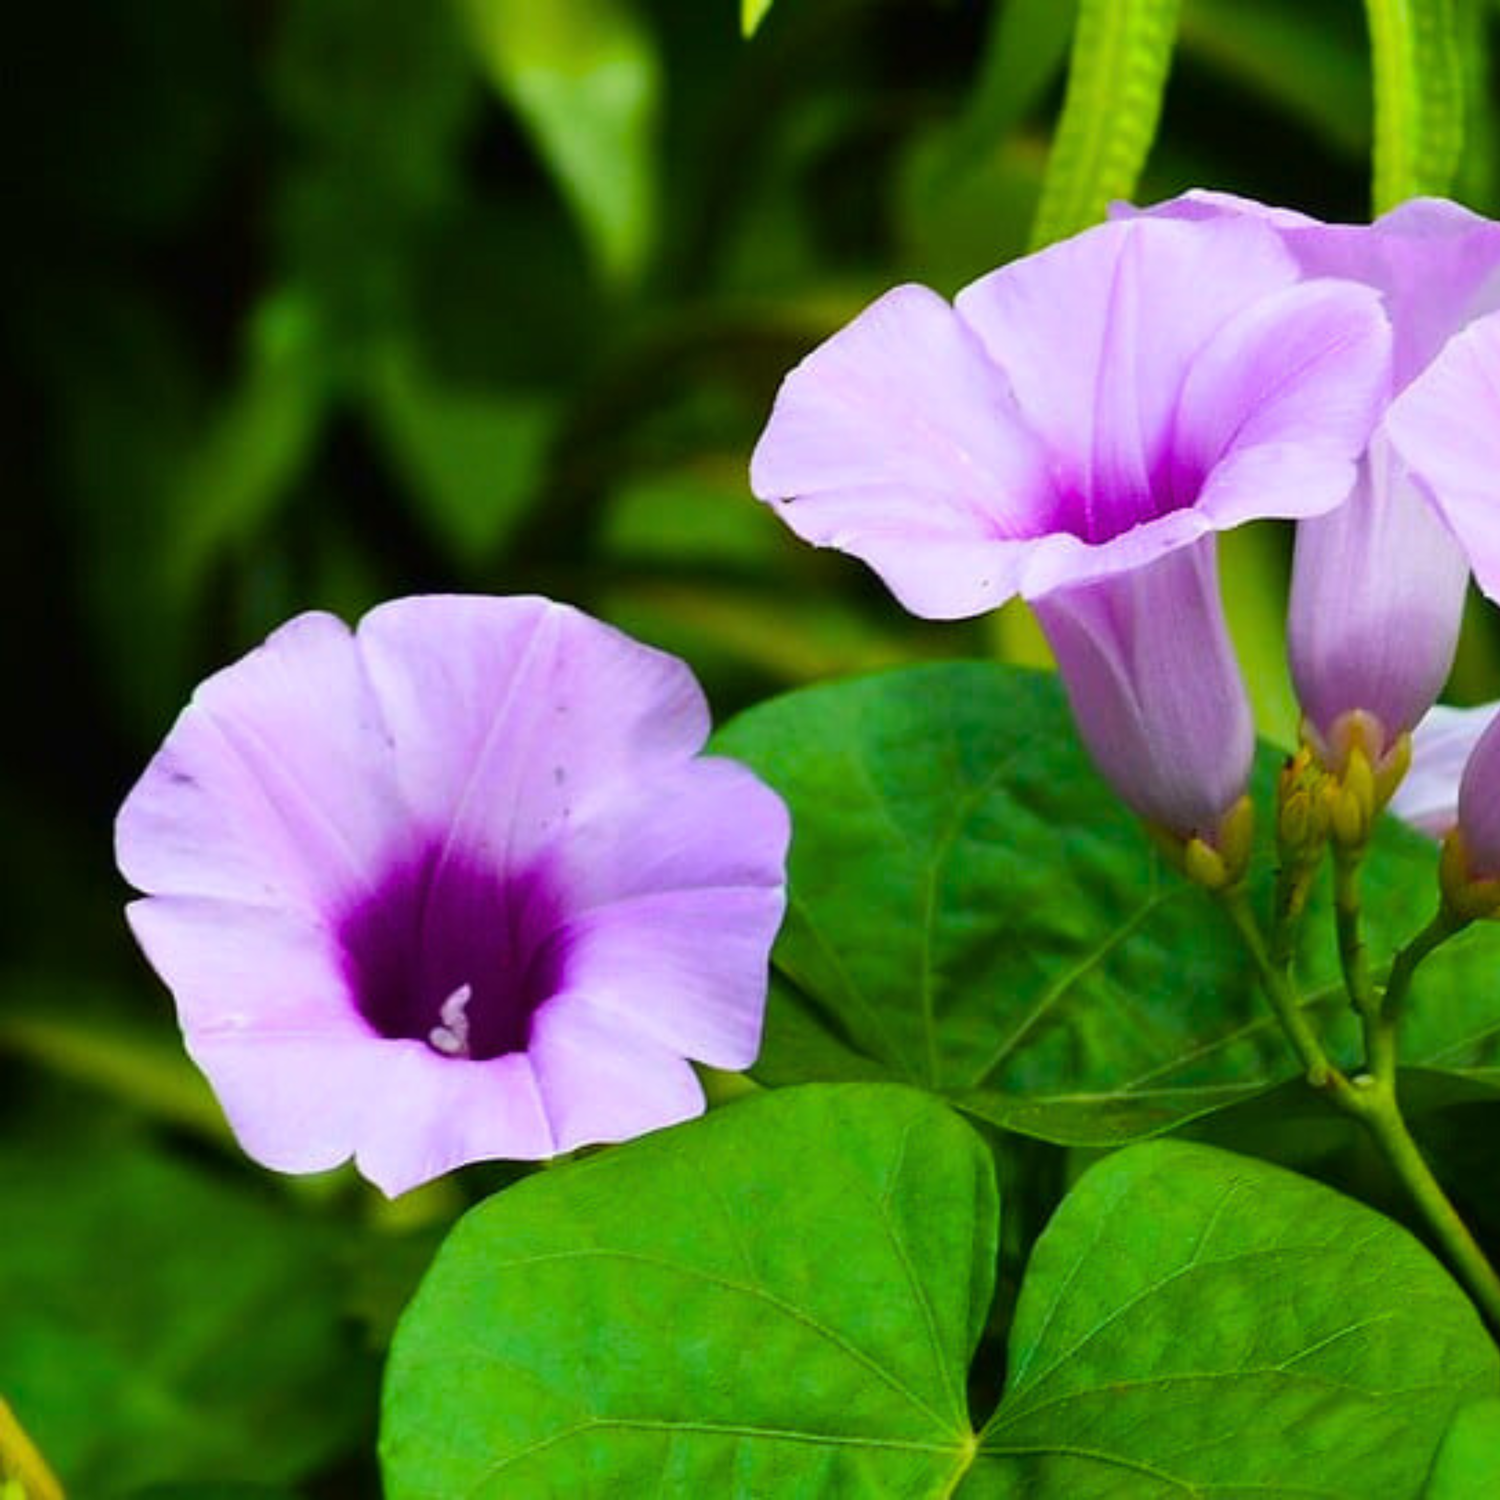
x=452 y=1037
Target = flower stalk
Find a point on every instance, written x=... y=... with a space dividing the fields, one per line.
x=1370 y=1096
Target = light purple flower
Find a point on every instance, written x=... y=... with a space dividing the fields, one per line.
x=1170 y=727
x=1440 y=749
x=1479 y=806
x=1071 y=419
x=1378 y=584
x=453 y=887
x=1446 y=427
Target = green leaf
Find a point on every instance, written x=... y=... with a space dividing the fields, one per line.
x=1468 y=1463
x=1122 y=52
x=971 y=910
x=159 y=1324
x=780 y=1299
x=584 y=77
x=752 y=13
x=474 y=459
x=1419 y=97
x=1196 y=1323
x=784 y=1298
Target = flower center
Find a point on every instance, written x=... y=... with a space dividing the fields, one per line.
x=450 y=952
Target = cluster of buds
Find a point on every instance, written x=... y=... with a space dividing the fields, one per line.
x=1335 y=786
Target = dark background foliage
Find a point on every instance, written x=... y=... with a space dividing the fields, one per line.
x=310 y=303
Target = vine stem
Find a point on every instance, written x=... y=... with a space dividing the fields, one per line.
x=1370 y=1097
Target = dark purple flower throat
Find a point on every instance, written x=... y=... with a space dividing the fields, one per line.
x=450 y=952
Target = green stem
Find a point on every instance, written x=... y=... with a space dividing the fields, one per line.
x=1379 y=1112
x=1444 y=925
x=1352 y=957
x=1321 y=1073
x=1371 y=1098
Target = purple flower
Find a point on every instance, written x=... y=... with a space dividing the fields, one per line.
x=1446 y=428
x=1170 y=727
x=1479 y=807
x=1440 y=749
x=1072 y=419
x=1378 y=584
x=453 y=887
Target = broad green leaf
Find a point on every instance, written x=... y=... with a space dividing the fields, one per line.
x=972 y=911
x=1468 y=1463
x=1419 y=97
x=584 y=77
x=784 y=1298
x=159 y=1324
x=1122 y=51
x=472 y=458
x=752 y=13
x=212 y=1491
x=780 y=1299
x=1196 y=1323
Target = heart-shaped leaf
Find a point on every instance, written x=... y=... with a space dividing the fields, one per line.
x=973 y=911
x=784 y=1299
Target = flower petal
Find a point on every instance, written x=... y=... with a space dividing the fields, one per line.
x=1440 y=749
x=235 y=967
x=1097 y=334
x=1446 y=428
x=1155 y=688
x=600 y=1080
x=1280 y=403
x=1377 y=600
x=275 y=784
x=510 y=716
x=406 y=1114
x=898 y=442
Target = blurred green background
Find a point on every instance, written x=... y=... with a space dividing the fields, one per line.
x=310 y=303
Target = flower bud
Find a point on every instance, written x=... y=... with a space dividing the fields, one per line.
x=1156 y=690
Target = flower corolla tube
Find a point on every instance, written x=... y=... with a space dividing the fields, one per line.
x=1440 y=749
x=1075 y=428
x=455 y=885
x=1378 y=584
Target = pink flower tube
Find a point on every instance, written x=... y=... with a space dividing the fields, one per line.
x=1074 y=429
x=453 y=886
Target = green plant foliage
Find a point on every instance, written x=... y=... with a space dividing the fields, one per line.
x=974 y=912
x=1468 y=1463
x=584 y=77
x=477 y=457
x=752 y=13
x=160 y=1325
x=1196 y=1323
x=796 y=1313
x=1122 y=51
x=1189 y=1320
x=1419 y=97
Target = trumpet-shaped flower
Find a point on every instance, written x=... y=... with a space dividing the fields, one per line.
x=1378 y=584
x=1479 y=807
x=1071 y=420
x=453 y=886
x=1440 y=749
x=1446 y=428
